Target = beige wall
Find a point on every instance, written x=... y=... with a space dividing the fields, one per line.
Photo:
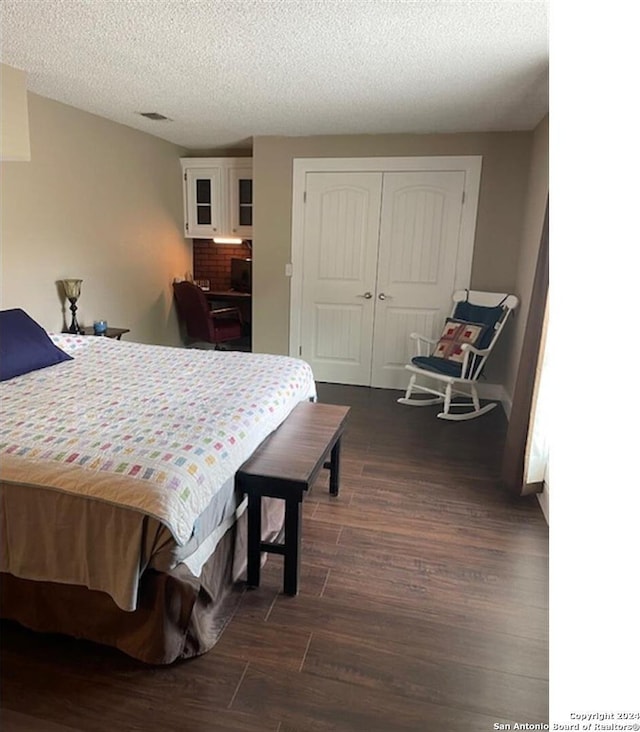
x=14 y=115
x=533 y=220
x=101 y=202
x=505 y=167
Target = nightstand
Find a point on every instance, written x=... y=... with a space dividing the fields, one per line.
x=111 y=332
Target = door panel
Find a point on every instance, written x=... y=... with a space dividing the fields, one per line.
x=414 y=234
x=394 y=344
x=338 y=333
x=419 y=238
x=341 y=233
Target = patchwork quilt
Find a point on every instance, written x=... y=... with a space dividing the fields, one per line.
x=156 y=429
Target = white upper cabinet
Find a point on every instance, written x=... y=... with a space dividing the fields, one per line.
x=218 y=197
x=203 y=202
x=241 y=201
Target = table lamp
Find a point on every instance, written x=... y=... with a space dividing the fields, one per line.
x=72 y=291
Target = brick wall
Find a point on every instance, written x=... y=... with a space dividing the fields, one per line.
x=213 y=261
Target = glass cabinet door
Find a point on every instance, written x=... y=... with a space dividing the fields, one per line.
x=241 y=190
x=203 y=201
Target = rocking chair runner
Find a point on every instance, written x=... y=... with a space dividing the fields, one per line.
x=459 y=356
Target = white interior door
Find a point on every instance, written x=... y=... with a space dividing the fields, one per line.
x=341 y=234
x=417 y=265
x=378 y=246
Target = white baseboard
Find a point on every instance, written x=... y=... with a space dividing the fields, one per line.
x=543 y=500
x=497 y=393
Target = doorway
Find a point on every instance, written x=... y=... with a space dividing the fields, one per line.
x=379 y=245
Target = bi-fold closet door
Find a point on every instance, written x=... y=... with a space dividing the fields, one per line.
x=381 y=259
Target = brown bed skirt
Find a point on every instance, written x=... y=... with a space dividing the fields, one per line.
x=177 y=616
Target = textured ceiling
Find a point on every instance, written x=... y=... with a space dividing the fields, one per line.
x=226 y=70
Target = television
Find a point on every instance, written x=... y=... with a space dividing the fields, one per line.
x=241 y=275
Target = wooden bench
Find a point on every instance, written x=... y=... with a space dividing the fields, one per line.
x=285 y=466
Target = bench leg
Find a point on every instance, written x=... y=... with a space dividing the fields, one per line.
x=292 y=540
x=334 y=469
x=254 y=532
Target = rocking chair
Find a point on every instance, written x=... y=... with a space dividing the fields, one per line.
x=457 y=359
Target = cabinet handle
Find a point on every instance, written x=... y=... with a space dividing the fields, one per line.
x=382 y=296
x=367 y=296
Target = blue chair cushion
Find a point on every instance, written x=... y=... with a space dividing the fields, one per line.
x=25 y=345
x=487 y=316
x=441 y=365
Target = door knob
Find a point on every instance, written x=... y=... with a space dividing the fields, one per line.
x=367 y=296
x=382 y=296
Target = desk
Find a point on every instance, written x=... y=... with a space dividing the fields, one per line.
x=227 y=294
x=241 y=299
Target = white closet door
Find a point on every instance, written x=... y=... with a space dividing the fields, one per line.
x=341 y=233
x=417 y=262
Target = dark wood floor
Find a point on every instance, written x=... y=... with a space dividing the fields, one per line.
x=423 y=606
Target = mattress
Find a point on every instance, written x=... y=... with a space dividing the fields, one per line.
x=124 y=457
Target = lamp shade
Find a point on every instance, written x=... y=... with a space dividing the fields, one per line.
x=72 y=288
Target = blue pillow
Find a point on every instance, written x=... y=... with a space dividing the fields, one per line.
x=25 y=346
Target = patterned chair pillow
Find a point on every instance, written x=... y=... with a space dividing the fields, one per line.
x=454 y=334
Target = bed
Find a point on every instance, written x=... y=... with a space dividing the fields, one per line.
x=120 y=520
